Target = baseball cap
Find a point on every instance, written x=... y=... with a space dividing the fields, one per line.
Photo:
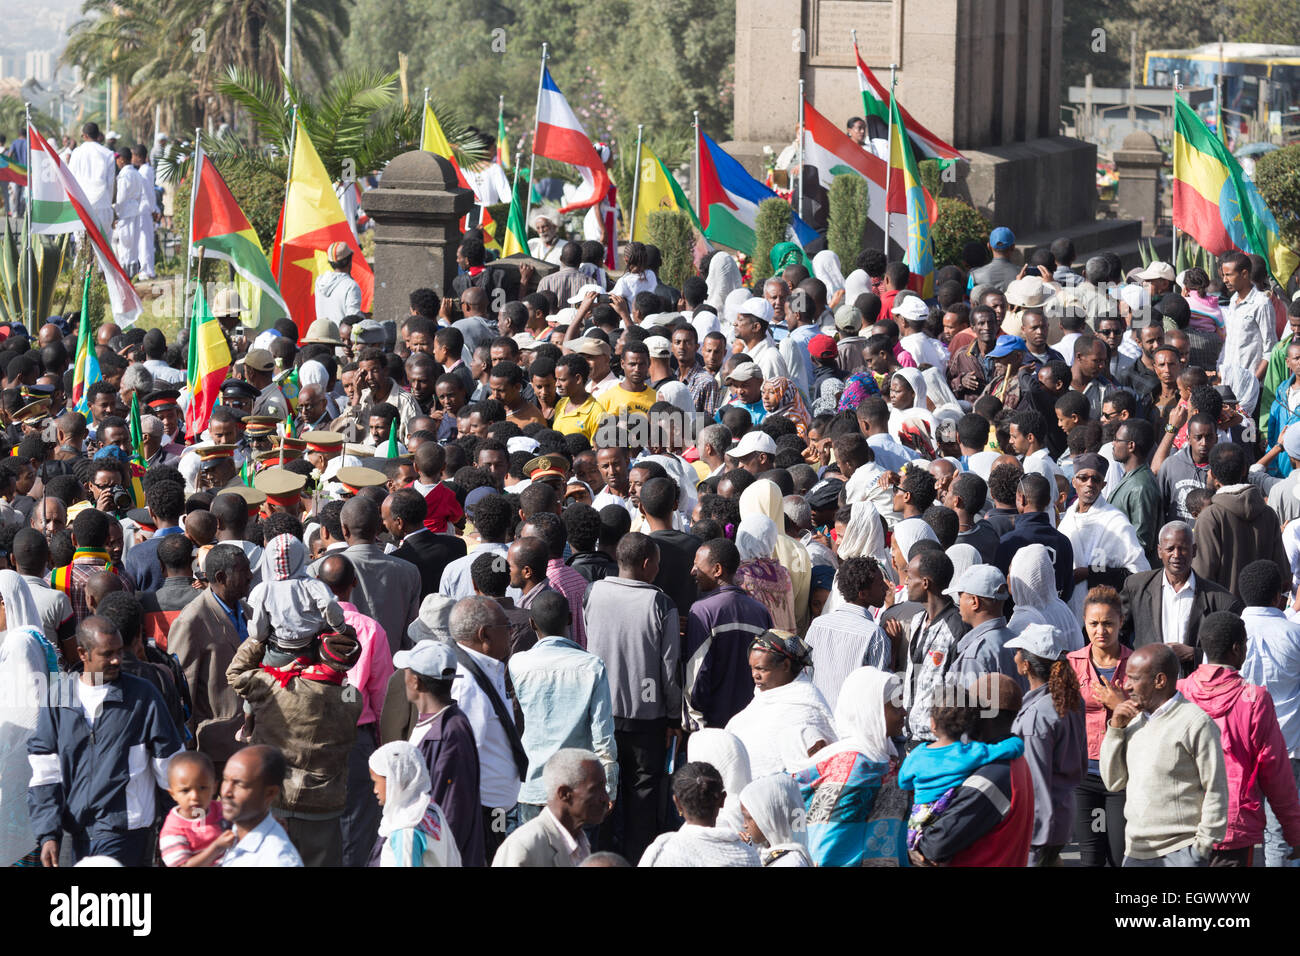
x=1157 y=270
x=430 y=658
x=339 y=252
x=744 y=372
x=659 y=346
x=848 y=318
x=368 y=332
x=585 y=291
x=1006 y=345
x=589 y=346
x=1227 y=394
x=753 y=442
x=1291 y=442
x=1041 y=640
x=259 y=360
x=758 y=308
x=1002 y=238
x=822 y=346
x=563 y=319
x=911 y=308
x=824 y=494
x=982 y=580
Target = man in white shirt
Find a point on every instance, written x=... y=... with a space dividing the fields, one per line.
x=548 y=244
x=751 y=329
x=131 y=204
x=145 y=251
x=1248 y=323
x=337 y=294
x=481 y=631
x=94 y=167
x=1100 y=534
x=250 y=784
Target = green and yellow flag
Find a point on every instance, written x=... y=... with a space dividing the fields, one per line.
x=657 y=191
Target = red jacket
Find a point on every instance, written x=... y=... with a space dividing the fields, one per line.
x=1254 y=752
x=1007 y=844
x=1095 y=715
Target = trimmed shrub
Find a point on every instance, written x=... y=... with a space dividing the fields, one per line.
x=1277 y=175
x=850 y=206
x=672 y=232
x=958 y=224
x=770 y=227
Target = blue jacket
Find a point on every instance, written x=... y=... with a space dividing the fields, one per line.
x=1279 y=416
x=87 y=770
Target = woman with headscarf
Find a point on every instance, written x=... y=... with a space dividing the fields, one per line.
x=856 y=815
x=28 y=662
x=862 y=537
x=760 y=575
x=781 y=398
x=906 y=533
x=727 y=754
x=1031 y=578
x=678 y=395
x=764 y=497
x=826 y=267
x=856 y=283
x=722 y=280
x=788 y=719
x=909 y=411
x=857 y=388
x=788 y=254
x=412 y=830
x=774 y=815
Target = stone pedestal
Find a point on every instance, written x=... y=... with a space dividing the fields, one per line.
x=1137 y=164
x=417 y=209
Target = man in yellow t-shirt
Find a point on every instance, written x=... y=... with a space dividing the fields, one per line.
x=632 y=395
x=578 y=411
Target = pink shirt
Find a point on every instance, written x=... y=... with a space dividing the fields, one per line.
x=373 y=668
x=180 y=838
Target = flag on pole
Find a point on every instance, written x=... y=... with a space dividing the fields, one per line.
x=391 y=450
x=503 y=150
x=729 y=199
x=12 y=171
x=310 y=220
x=828 y=150
x=436 y=142
x=875 y=102
x=209 y=361
x=657 y=191
x=561 y=137
x=1215 y=204
x=137 y=432
x=515 y=241
x=85 y=368
x=222 y=231
x=920 y=207
x=59 y=206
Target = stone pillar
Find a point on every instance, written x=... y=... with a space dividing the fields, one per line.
x=1138 y=163
x=417 y=209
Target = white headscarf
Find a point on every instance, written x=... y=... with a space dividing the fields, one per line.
x=726 y=754
x=679 y=395
x=731 y=307
x=914 y=379
x=313 y=373
x=756 y=537
x=20 y=606
x=911 y=530
x=826 y=266
x=407 y=785
x=1031 y=578
x=864 y=537
x=856 y=283
x=860 y=714
x=962 y=557
x=24 y=672
x=776 y=805
x=723 y=278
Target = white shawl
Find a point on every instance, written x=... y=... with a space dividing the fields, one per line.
x=780 y=725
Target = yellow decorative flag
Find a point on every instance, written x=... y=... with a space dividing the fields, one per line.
x=434 y=140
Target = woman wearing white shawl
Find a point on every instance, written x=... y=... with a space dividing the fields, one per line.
x=856 y=283
x=788 y=717
x=906 y=533
x=774 y=820
x=723 y=278
x=905 y=408
x=412 y=830
x=725 y=753
x=962 y=557
x=678 y=395
x=855 y=812
x=760 y=574
x=27 y=661
x=1031 y=579
x=864 y=537
x=826 y=267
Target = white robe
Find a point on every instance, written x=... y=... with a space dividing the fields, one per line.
x=1101 y=538
x=780 y=725
x=93 y=167
x=130 y=206
x=145 y=251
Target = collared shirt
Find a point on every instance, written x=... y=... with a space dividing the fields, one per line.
x=604 y=385
x=498 y=775
x=1176 y=608
x=53 y=606
x=578 y=849
x=373 y=668
x=1273 y=662
x=891 y=454
x=1250 y=332
x=581 y=419
x=932 y=649
x=768 y=358
x=573 y=586
x=842 y=641
x=236 y=616
x=265 y=845
x=703 y=388
x=456 y=581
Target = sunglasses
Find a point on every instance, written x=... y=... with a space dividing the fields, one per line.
x=1089 y=479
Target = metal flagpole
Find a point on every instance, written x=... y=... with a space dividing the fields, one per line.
x=799 y=160
x=696 y=178
x=197 y=170
x=532 y=147
x=288 y=41
x=293 y=141
x=27 y=217
x=424 y=116
x=501 y=116
x=1174 y=228
x=636 y=182
x=889 y=155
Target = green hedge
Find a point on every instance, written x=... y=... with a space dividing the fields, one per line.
x=1277 y=174
x=673 y=233
x=850 y=206
x=958 y=224
x=770 y=227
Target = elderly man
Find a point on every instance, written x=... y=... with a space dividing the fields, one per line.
x=576 y=797
x=548 y=244
x=1103 y=542
x=1167 y=754
x=250 y=786
x=97 y=757
x=1164 y=606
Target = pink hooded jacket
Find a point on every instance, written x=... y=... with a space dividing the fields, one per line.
x=1254 y=752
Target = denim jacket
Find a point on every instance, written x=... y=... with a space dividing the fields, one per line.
x=564 y=694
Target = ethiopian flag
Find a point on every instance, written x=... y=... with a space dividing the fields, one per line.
x=85 y=368
x=657 y=191
x=503 y=150
x=918 y=204
x=1215 y=204
x=12 y=171
x=209 y=361
x=515 y=241
x=220 y=228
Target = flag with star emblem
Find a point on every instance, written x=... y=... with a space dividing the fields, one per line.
x=916 y=202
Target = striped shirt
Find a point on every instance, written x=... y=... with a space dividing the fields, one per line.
x=573 y=586
x=842 y=641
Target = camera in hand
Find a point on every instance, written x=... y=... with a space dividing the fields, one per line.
x=123 y=500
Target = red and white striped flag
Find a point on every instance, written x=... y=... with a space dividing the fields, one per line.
x=561 y=137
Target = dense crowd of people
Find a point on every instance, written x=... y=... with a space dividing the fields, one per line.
x=582 y=569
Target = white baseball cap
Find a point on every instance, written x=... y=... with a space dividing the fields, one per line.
x=752 y=442
x=585 y=291
x=758 y=308
x=1157 y=270
x=431 y=658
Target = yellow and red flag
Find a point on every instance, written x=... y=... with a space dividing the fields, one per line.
x=310 y=221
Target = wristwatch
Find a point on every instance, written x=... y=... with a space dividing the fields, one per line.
x=1170 y=429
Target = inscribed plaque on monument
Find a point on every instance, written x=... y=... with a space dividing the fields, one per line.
x=831 y=24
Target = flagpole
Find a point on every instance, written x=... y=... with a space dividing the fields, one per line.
x=1173 y=228
x=532 y=147
x=696 y=178
x=27 y=217
x=288 y=179
x=501 y=118
x=636 y=182
x=799 y=160
x=288 y=41
x=424 y=114
x=189 y=236
x=889 y=155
